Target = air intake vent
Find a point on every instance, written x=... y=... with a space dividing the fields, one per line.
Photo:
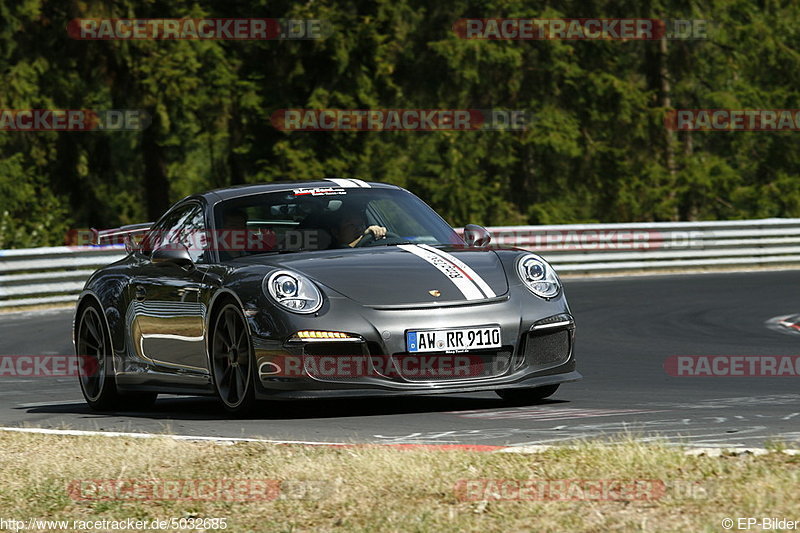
x=549 y=349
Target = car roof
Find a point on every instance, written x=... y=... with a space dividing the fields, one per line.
x=227 y=193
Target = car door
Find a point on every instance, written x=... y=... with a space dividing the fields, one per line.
x=165 y=317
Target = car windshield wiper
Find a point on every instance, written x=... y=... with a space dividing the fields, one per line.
x=391 y=243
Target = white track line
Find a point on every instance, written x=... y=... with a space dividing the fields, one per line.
x=224 y=440
x=708 y=451
x=52 y=402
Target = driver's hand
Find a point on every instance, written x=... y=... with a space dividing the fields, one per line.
x=378 y=231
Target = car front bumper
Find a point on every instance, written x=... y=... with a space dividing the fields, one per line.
x=537 y=338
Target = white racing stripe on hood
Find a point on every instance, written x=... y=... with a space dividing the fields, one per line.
x=482 y=285
x=451 y=271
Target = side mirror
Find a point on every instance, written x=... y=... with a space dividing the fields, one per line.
x=477 y=236
x=176 y=254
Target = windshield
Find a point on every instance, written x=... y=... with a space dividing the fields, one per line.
x=322 y=218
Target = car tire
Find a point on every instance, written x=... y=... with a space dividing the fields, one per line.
x=95 y=359
x=231 y=357
x=528 y=395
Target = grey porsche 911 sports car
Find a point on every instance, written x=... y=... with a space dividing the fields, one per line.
x=330 y=288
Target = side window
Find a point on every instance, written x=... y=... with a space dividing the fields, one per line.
x=192 y=234
x=157 y=236
x=185 y=226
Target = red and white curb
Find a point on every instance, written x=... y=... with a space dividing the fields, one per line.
x=702 y=451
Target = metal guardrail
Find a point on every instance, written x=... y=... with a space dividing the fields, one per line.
x=39 y=276
x=587 y=248
x=55 y=275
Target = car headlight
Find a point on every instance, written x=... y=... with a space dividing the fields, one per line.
x=293 y=291
x=538 y=276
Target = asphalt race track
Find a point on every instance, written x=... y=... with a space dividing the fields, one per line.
x=627 y=327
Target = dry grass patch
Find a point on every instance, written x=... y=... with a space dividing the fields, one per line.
x=372 y=488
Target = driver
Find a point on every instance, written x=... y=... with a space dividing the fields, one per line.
x=350 y=227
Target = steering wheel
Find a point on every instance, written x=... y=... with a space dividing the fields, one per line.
x=369 y=238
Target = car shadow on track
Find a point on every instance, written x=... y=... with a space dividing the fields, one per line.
x=199 y=408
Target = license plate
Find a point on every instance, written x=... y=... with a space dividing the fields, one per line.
x=439 y=340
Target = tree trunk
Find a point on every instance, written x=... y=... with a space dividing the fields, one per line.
x=156 y=184
x=234 y=141
x=669 y=135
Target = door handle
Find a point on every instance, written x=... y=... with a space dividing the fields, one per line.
x=140 y=292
